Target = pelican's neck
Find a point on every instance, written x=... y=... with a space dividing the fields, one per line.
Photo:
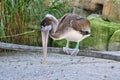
x=55 y=25
x=54 y=22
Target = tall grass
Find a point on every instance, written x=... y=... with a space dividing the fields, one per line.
x=19 y=16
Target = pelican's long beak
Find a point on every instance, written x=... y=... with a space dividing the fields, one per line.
x=44 y=44
x=45 y=34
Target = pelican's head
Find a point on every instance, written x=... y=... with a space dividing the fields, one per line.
x=46 y=26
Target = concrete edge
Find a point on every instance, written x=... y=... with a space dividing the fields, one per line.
x=88 y=53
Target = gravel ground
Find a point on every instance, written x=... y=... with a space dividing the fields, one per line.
x=28 y=66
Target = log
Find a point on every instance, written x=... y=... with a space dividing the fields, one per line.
x=18 y=47
x=98 y=54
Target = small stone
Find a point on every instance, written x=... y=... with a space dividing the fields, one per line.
x=63 y=75
x=105 y=76
x=18 y=65
x=112 y=67
x=15 y=67
x=31 y=63
x=93 y=59
x=2 y=61
x=71 y=59
x=62 y=70
x=49 y=66
x=79 y=61
x=51 y=72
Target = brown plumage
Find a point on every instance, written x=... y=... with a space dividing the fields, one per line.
x=71 y=27
x=72 y=21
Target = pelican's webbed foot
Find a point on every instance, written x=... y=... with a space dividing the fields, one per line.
x=70 y=51
x=75 y=52
x=66 y=50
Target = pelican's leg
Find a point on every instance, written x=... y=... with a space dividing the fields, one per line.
x=76 y=50
x=66 y=49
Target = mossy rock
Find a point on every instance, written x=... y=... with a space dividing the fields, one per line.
x=114 y=43
x=101 y=31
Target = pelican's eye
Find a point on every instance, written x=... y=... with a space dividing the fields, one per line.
x=44 y=24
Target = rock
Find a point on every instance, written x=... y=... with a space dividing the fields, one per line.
x=93 y=16
x=108 y=8
x=91 y=4
x=88 y=6
x=111 y=10
x=114 y=43
x=112 y=67
x=74 y=3
x=101 y=31
x=81 y=12
x=105 y=76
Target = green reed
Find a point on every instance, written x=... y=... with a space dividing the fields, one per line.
x=19 y=16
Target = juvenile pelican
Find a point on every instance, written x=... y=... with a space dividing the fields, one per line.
x=71 y=27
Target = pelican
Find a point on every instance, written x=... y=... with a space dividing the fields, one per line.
x=71 y=27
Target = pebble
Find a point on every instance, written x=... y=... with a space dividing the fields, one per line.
x=51 y=72
x=15 y=67
x=79 y=61
x=31 y=63
x=112 y=67
x=105 y=76
x=62 y=70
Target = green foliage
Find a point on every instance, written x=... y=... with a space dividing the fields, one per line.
x=60 y=43
x=2 y=31
x=116 y=36
x=59 y=8
x=20 y=16
x=114 y=42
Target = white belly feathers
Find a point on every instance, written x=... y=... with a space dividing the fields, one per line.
x=72 y=35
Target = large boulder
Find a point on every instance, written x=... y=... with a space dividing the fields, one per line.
x=101 y=31
x=114 y=42
x=111 y=10
x=108 y=8
x=90 y=4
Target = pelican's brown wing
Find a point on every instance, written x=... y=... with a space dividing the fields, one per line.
x=64 y=22
x=81 y=24
x=74 y=21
